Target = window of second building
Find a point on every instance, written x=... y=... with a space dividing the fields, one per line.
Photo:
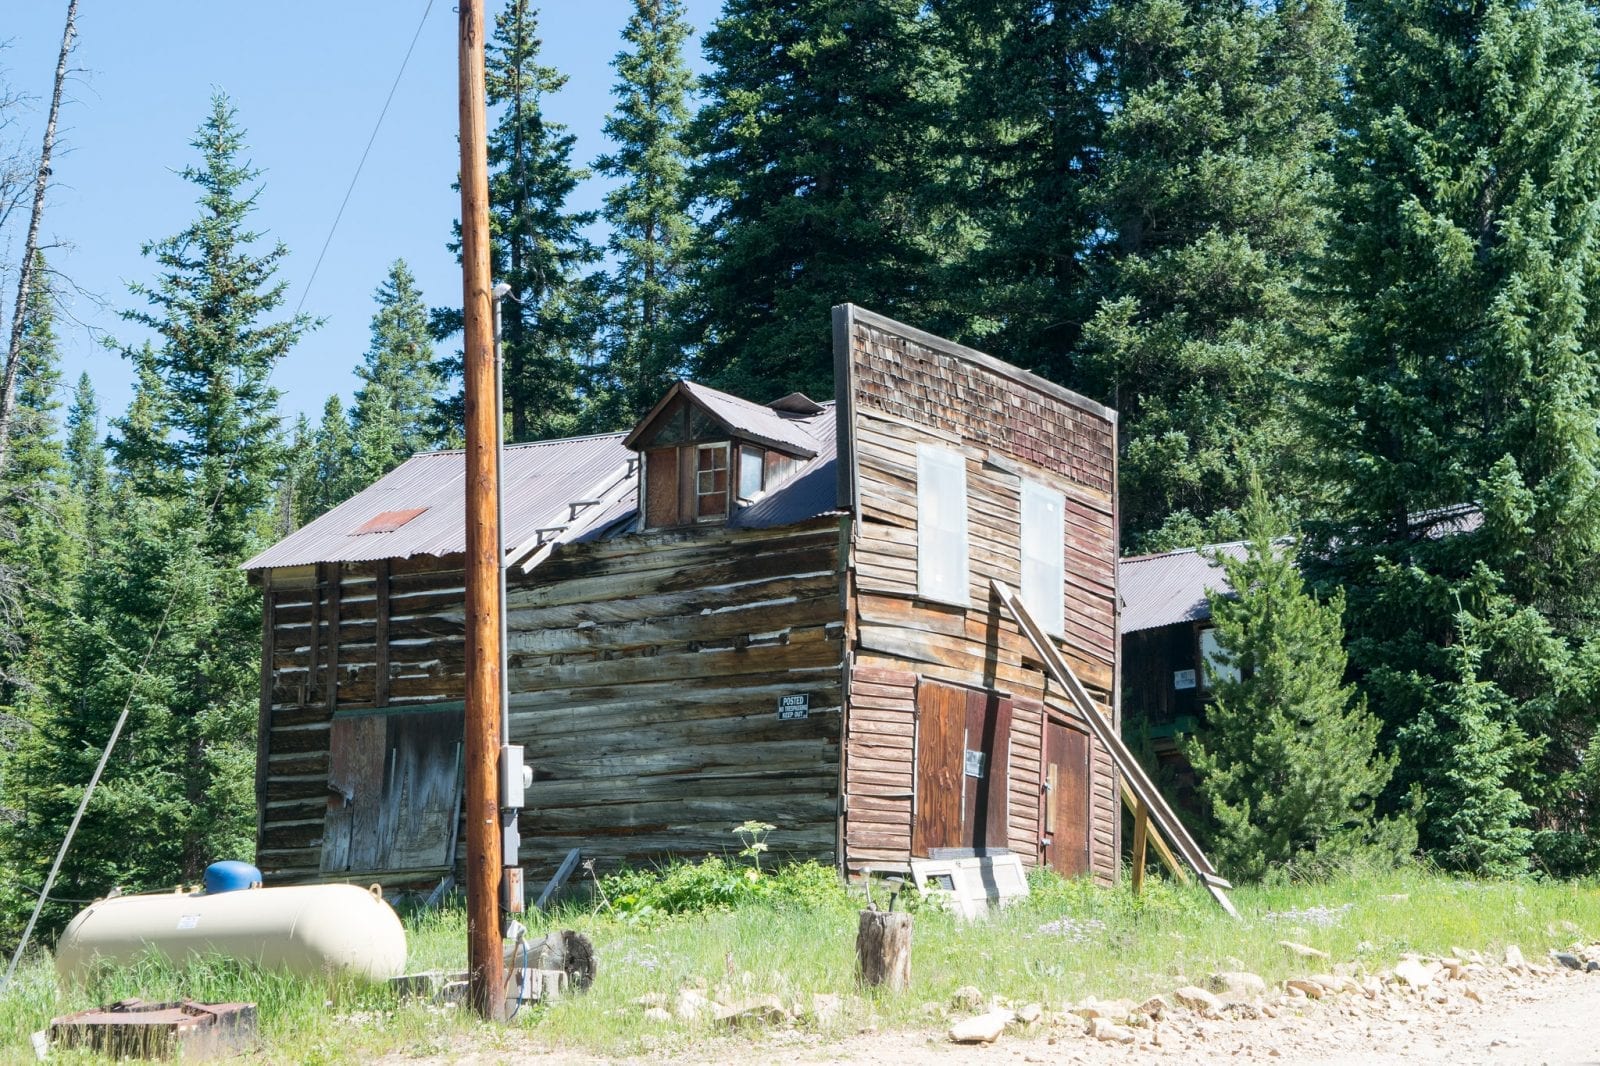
x=1044 y=541
x=941 y=524
x=711 y=482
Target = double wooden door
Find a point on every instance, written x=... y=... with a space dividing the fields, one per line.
x=963 y=758
x=1064 y=828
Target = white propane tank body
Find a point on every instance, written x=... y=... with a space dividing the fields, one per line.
x=303 y=929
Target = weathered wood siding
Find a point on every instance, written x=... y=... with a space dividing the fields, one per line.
x=322 y=640
x=645 y=678
x=903 y=388
x=645 y=674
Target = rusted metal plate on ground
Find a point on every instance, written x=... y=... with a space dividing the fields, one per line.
x=187 y=1030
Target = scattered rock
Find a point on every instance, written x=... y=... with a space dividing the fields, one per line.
x=1416 y=974
x=1335 y=982
x=1306 y=987
x=1156 y=1006
x=691 y=1004
x=1101 y=1029
x=1029 y=1013
x=1112 y=1010
x=656 y=1014
x=1593 y=966
x=1197 y=999
x=982 y=1029
x=1472 y=994
x=653 y=999
x=760 y=1010
x=1304 y=951
x=967 y=997
x=1571 y=962
x=1514 y=959
x=825 y=1006
x=1237 y=984
x=1247 y=1011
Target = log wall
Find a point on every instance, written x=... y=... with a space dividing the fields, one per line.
x=645 y=674
x=901 y=388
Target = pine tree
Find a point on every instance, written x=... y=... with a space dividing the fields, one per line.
x=86 y=455
x=40 y=530
x=537 y=244
x=211 y=306
x=398 y=380
x=333 y=468
x=649 y=211
x=163 y=620
x=1209 y=193
x=1459 y=419
x=1015 y=155
x=1287 y=761
x=814 y=154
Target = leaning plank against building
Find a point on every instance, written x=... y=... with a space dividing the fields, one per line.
x=959 y=469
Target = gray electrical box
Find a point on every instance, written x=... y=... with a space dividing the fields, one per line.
x=513 y=778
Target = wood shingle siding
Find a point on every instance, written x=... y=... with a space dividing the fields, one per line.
x=901 y=389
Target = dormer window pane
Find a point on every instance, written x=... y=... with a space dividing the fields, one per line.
x=752 y=468
x=711 y=486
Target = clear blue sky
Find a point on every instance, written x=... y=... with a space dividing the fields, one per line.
x=308 y=79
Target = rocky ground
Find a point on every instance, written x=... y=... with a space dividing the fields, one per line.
x=1459 y=1009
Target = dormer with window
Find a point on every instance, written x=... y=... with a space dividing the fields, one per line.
x=706 y=453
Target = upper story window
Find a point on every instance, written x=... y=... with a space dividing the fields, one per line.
x=1044 y=541
x=941 y=524
x=711 y=482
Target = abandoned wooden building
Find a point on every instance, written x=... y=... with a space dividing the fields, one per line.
x=779 y=612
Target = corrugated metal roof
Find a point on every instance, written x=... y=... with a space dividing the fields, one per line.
x=540 y=482
x=1168 y=588
x=754 y=420
x=812 y=491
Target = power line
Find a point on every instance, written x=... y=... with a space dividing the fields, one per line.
x=376 y=126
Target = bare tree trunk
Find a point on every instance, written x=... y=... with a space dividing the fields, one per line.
x=30 y=247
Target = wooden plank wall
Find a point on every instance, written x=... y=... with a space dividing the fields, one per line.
x=645 y=676
x=324 y=626
x=906 y=389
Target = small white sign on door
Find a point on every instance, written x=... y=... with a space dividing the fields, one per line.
x=1182 y=679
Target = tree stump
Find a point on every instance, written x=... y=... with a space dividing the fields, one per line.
x=883 y=949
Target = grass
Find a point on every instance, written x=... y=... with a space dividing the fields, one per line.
x=1065 y=942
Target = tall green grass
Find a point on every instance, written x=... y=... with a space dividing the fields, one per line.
x=1066 y=941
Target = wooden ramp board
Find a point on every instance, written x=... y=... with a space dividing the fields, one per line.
x=1137 y=782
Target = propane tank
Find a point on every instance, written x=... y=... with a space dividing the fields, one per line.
x=302 y=929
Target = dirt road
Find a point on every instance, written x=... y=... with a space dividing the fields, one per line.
x=1523 y=1019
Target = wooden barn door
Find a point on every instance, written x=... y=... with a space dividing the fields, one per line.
x=1066 y=799
x=963 y=755
x=394 y=779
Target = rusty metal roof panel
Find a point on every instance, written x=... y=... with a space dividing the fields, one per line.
x=542 y=483
x=1168 y=588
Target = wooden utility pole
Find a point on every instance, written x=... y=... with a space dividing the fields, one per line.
x=481 y=803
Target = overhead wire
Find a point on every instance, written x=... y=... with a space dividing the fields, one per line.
x=166 y=614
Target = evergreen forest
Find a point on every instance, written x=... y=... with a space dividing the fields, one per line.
x=1335 y=262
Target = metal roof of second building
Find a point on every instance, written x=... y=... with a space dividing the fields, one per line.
x=1170 y=587
x=541 y=483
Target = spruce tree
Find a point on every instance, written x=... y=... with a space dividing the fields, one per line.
x=211 y=307
x=1459 y=418
x=649 y=211
x=1014 y=157
x=334 y=471
x=814 y=156
x=398 y=380
x=537 y=245
x=84 y=452
x=1208 y=197
x=163 y=619
x=1287 y=761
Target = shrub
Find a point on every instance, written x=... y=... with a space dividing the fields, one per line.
x=715 y=884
